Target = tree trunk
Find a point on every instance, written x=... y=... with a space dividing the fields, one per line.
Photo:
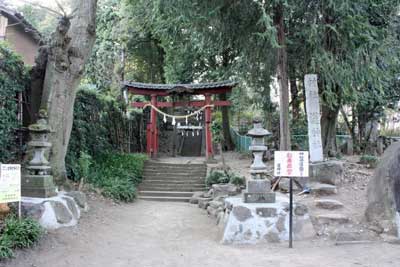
x=227 y=143
x=328 y=130
x=295 y=99
x=282 y=73
x=70 y=48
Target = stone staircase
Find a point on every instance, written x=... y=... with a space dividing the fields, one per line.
x=171 y=182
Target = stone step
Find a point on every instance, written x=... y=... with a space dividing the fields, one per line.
x=177 y=181
x=173 y=188
x=175 y=173
x=329 y=204
x=170 y=165
x=170 y=199
x=319 y=189
x=332 y=218
x=165 y=194
x=146 y=184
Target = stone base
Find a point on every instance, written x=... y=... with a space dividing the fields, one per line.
x=38 y=186
x=251 y=223
x=326 y=172
x=259 y=197
x=63 y=210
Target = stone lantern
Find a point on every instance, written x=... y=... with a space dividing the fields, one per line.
x=38 y=182
x=258 y=187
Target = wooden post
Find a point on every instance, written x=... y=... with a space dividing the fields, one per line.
x=153 y=119
x=209 y=148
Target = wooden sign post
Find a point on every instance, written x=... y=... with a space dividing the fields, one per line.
x=291 y=164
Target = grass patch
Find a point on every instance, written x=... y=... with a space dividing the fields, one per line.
x=220 y=177
x=370 y=160
x=17 y=233
x=117 y=175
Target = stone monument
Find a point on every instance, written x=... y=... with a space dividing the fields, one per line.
x=37 y=181
x=313 y=117
x=258 y=187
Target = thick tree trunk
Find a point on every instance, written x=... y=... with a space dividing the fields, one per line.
x=295 y=99
x=282 y=73
x=70 y=48
x=328 y=130
x=227 y=143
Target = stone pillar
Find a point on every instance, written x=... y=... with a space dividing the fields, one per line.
x=258 y=187
x=37 y=181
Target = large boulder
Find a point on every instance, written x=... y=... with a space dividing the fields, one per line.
x=384 y=192
x=326 y=172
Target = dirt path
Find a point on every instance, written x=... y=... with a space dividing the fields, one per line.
x=145 y=234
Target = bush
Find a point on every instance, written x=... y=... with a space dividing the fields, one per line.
x=220 y=177
x=237 y=180
x=216 y=177
x=18 y=234
x=370 y=160
x=117 y=175
x=13 y=79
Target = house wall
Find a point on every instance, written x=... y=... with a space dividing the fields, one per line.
x=22 y=43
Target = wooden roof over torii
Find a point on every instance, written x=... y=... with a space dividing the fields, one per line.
x=156 y=90
x=169 y=89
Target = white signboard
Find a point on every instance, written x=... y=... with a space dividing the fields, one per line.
x=313 y=117
x=10 y=183
x=291 y=164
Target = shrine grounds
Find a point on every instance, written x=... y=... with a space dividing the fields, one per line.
x=152 y=234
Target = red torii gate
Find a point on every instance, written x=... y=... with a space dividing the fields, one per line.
x=162 y=90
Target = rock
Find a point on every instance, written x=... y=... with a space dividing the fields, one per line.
x=72 y=207
x=272 y=237
x=333 y=218
x=80 y=199
x=220 y=217
x=327 y=172
x=383 y=193
x=224 y=190
x=323 y=189
x=211 y=211
x=351 y=236
x=300 y=209
x=329 y=204
x=203 y=202
x=32 y=210
x=284 y=185
x=390 y=239
x=281 y=224
x=376 y=228
x=62 y=213
x=241 y=213
x=216 y=204
x=195 y=197
x=266 y=212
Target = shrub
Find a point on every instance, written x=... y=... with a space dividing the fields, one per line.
x=18 y=234
x=217 y=177
x=237 y=180
x=13 y=79
x=117 y=174
x=370 y=160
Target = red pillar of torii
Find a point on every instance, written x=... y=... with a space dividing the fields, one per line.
x=163 y=90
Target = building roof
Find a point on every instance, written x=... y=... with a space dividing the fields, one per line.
x=19 y=18
x=180 y=88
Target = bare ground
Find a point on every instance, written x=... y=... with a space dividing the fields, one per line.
x=179 y=234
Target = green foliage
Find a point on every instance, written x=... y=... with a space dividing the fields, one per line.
x=216 y=177
x=370 y=160
x=17 y=233
x=117 y=175
x=237 y=180
x=221 y=177
x=85 y=161
x=13 y=79
x=100 y=126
